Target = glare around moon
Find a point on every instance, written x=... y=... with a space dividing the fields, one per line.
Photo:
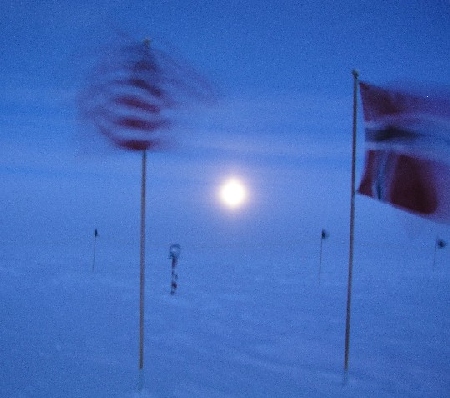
x=233 y=193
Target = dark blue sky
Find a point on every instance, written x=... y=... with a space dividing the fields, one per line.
x=282 y=124
x=246 y=46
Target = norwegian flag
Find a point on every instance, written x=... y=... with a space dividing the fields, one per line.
x=407 y=160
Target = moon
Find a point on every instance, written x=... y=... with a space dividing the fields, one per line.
x=233 y=193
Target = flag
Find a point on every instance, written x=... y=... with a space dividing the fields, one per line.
x=132 y=93
x=407 y=158
x=440 y=243
x=325 y=234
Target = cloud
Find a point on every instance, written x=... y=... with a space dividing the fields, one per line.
x=285 y=125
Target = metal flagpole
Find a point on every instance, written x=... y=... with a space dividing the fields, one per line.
x=142 y=263
x=142 y=274
x=352 y=226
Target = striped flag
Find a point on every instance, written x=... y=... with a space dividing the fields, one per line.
x=132 y=92
x=407 y=159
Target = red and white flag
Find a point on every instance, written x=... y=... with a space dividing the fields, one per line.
x=407 y=160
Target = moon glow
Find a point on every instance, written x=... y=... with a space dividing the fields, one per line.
x=233 y=193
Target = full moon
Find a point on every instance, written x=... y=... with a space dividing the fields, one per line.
x=233 y=193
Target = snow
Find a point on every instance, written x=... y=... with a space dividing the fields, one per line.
x=244 y=322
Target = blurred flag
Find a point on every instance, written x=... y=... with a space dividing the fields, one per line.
x=407 y=160
x=325 y=234
x=95 y=233
x=132 y=92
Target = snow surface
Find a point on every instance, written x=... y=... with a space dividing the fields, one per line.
x=245 y=321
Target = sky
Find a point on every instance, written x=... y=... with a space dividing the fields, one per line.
x=282 y=122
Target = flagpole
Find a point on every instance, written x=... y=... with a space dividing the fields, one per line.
x=435 y=248
x=95 y=241
x=142 y=262
x=142 y=274
x=320 y=256
x=323 y=236
x=352 y=226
